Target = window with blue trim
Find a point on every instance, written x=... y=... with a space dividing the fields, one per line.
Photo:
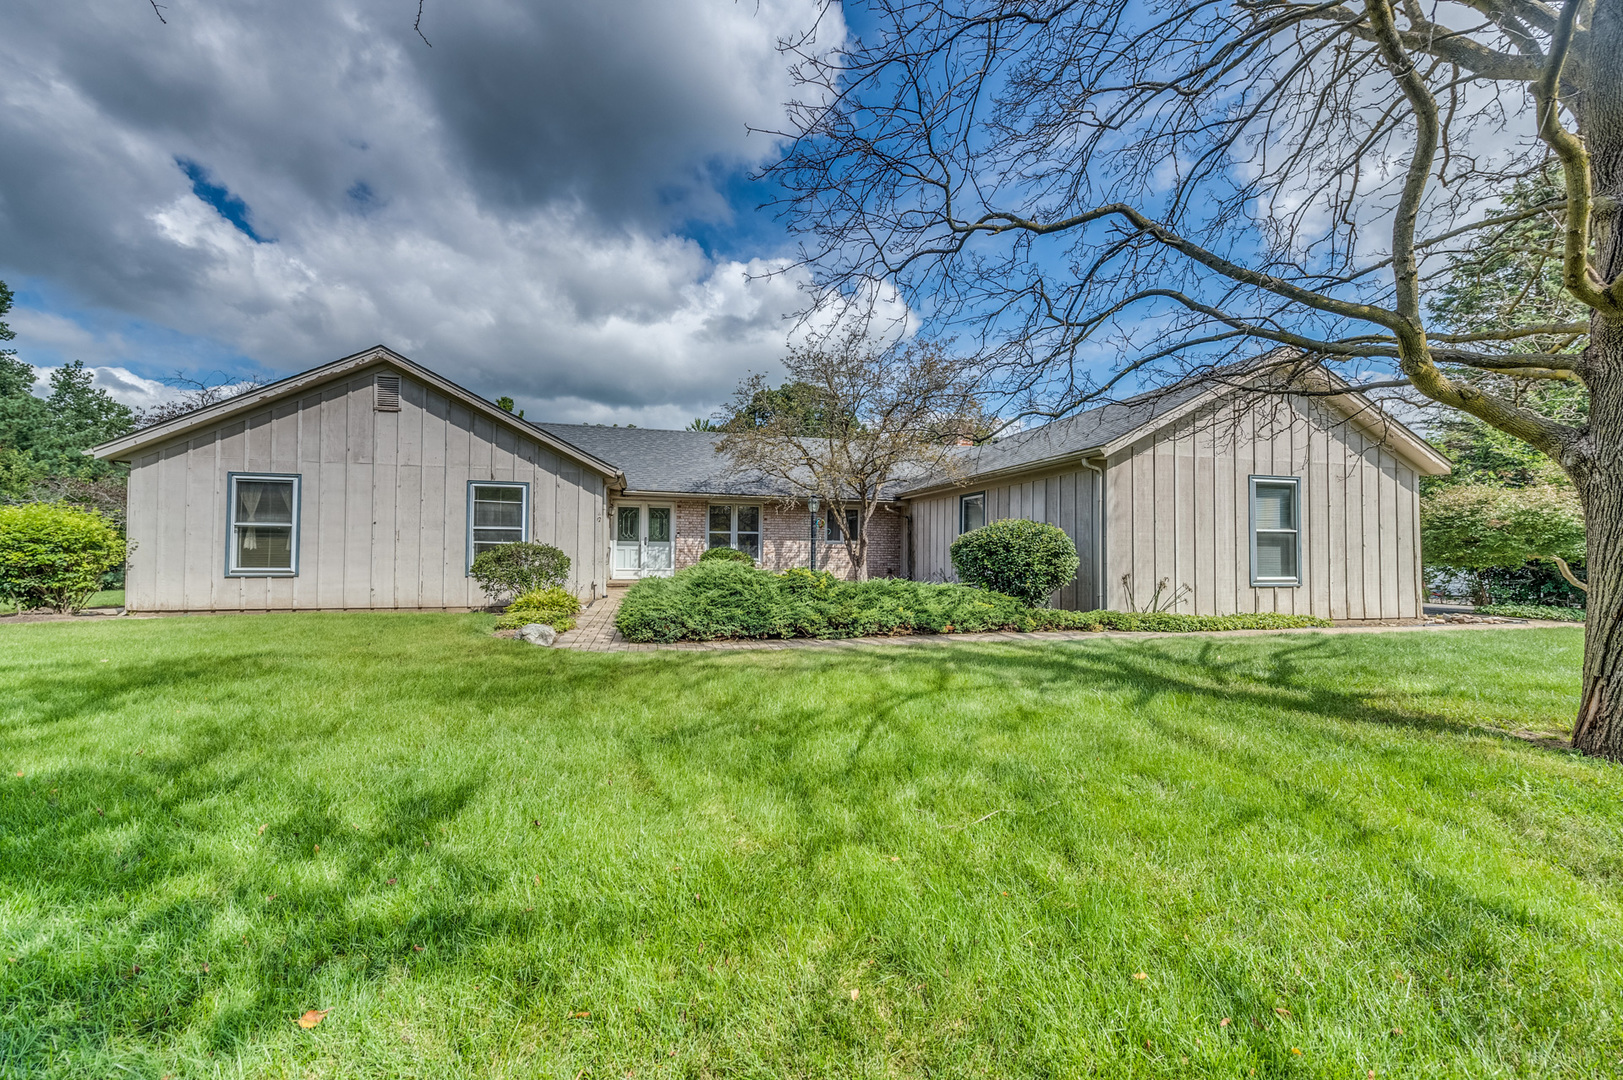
x=497 y=514
x=263 y=519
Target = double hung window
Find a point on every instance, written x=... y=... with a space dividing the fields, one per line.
x=497 y=514
x=263 y=525
x=736 y=526
x=1276 y=530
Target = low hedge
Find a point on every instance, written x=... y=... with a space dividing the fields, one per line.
x=1533 y=611
x=1168 y=622
x=722 y=599
x=556 y=607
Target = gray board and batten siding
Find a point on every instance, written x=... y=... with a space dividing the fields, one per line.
x=1066 y=498
x=1176 y=506
x=383 y=497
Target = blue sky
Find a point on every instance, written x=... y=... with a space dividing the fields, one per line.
x=552 y=201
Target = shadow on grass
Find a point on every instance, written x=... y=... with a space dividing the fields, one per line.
x=115 y=842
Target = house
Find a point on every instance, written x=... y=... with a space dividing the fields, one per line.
x=372 y=482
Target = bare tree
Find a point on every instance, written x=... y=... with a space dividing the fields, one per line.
x=1169 y=182
x=195 y=394
x=885 y=415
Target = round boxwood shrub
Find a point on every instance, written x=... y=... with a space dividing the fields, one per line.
x=55 y=556
x=730 y=554
x=519 y=568
x=1027 y=560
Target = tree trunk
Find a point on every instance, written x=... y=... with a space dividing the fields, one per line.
x=1598 y=728
x=1597 y=464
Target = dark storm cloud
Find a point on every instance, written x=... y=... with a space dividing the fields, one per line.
x=501 y=205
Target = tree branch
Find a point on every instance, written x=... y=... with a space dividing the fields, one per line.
x=1576 y=273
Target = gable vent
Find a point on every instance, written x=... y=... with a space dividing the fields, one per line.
x=386 y=393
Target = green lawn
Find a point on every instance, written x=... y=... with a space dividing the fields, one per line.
x=1026 y=860
x=106 y=598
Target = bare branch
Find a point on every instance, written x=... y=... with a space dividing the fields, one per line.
x=418 y=25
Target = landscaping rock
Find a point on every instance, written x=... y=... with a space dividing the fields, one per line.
x=537 y=633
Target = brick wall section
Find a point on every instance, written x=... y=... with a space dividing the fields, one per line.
x=691 y=528
x=785 y=540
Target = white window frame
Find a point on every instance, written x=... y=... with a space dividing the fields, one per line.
x=732 y=531
x=1295 y=484
x=524 y=512
x=231 y=526
x=963 y=501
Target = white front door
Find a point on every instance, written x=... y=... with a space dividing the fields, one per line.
x=643 y=541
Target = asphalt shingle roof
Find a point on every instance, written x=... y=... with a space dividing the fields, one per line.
x=658 y=460
x=686 y=461
x=1084 y=431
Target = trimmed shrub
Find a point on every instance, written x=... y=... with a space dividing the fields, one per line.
x=1027 y=560
x=554 y=606
x=1533 y=611
x=55 y=556
x=512 y=569
x=727 y=554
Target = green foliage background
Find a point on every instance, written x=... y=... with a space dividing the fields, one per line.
x=42 y=440
x=1507 y=507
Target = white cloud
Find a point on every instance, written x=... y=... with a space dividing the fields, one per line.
x=508 y=207
x=122 y=384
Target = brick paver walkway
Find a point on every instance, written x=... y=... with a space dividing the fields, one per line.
x=595 y=632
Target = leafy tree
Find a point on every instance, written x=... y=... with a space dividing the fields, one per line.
x=1479 y=526
x=506 y=405
x=1508 y=278
x=77 y=417
x=798 y=407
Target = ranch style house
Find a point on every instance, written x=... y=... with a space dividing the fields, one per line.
x=372 y=482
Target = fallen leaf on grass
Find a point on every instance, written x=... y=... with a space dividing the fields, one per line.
x=1140 y=975
x=1397 y=1031
x=262 y=829
x=1282 y=1011
x=583 y=1014
x=1223 y=1022
x=416 y=948
x=313 y=1017
x=1296 y=1049
x=393 y=880
x=854 y=994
